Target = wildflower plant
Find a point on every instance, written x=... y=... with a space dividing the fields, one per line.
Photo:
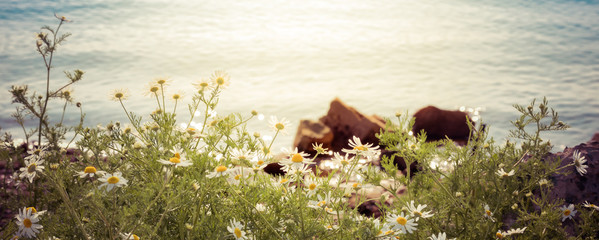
x=201 y=176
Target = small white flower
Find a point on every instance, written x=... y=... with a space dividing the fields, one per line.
x=178 y=159
x=417 y=211
x=359 y=149
x=502 y=173
x=279 y=125
x=342 y=160
x=311 y=186
x=112 y=180
x=441 y=236
x=488 y=214
x=90 y=172
x=515 y=231
x=568 y=212
x=129 y=236
x=579 y=161
x=331 y=227
x=295 y=159
x=27 y=223
x=237 y=230
x=33 y=166
x=402 y=223
x=218 y=172
x=241 y=155
x=590 y=205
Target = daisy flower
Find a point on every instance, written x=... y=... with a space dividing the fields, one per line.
x=365 y=150
x=440 y=236
x=488 y=214
x=34 y=165
x=515 y=231
x=402 y=223
x=295 y=160
x=258 y=163
x=241 y=155
x=342 y=160
x=568 y=212
x=590 y=205
x=296 y=173
x=331 y=227
x=27 y=223
x=152 y=89
x=178 y=159
x=163 y=81
x=220 y=79
x=417 y=211
x=279 y=126
x=203 y=85
x=113 y=180
x=311 y=186
x=502 y=173
x=119 y=95
x=236 y=229
x=37 y=153
x=322 y=202
x=235 y=175
x=90 y=172
x=579 y=161
x=129 y=236
x=218 y=172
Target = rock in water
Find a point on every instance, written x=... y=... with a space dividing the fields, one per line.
x=346 y=122
x=309 y=132
x=439 y=124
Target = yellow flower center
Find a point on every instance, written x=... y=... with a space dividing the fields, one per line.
x=418 y=213
x=90 y=169
x=113 y=180
x=31 y=168
x=203 y=84
x=360 y=148
x=488 y=212
x=284 y=180
x=27 y=223
x=297 y=158
x=135 y=237
x=237 y=232
x=118 y=95
x=177 y=155
x=567 y=212
x=161 y=81
x=356 y=185
x=322 y=203
x=221 y=168
x=32 y=209
x=279 y=126
x=237 y=177
x=176 y=96
x=175 y=160
x=220 y=81
x=401 y=220
x=499 y=235
x=312 y=186
x=344 y=162
x=260 y=162
x=154 y=89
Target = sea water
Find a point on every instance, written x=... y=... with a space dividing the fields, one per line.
x=291 y=58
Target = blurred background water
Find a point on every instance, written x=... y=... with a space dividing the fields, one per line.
x=291 y=58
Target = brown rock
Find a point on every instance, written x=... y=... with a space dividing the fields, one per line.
x=438 y=124
x=575 y=188
x=309 y=132
x=345 y=122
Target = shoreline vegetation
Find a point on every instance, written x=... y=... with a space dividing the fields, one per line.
x=207 y=177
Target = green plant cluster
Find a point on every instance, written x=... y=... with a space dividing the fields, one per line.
x=157 y=178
